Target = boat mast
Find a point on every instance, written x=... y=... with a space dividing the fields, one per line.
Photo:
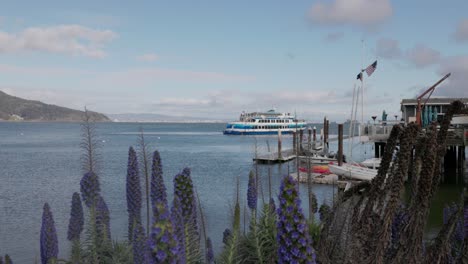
x=362 y=91
x=351 y=130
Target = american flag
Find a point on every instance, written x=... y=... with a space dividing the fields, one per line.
x=371 y=68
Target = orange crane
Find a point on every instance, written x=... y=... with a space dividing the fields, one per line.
x=429 y=90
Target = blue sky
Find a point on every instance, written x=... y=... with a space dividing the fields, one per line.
x=218 y=58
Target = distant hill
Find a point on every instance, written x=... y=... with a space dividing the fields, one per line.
x=148 y=117
x=15 y=108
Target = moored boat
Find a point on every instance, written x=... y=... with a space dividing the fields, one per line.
x=373 y=163
x=264 y=123
x=353 y=171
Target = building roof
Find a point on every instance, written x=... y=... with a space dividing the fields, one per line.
x=433 y=101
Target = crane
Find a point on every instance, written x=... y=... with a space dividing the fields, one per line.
x=430 y=90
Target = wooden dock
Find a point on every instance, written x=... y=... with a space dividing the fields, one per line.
x=275 y=157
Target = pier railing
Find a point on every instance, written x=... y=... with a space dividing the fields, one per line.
x=381 y=132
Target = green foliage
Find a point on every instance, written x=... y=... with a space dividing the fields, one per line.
x=259 y=245
x=75 y=257
x=314 y=232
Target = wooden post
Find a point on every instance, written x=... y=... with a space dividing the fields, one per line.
x=315 y=134
x=301 y=138
x=294 y=141
x=309 y=136
x=340 y=144
x=279 y=145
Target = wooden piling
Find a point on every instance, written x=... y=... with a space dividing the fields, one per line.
x=294 y=141
x=340 y=144
x=301 y=138
x=315 y=135
x=279 y=144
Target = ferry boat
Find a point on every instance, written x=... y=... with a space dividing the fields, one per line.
x=264 y=123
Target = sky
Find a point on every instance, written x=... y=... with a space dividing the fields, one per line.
x=218 y=58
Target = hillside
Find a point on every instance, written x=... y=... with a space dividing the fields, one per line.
x=15 y=108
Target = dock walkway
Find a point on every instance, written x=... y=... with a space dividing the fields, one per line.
x=274 y=157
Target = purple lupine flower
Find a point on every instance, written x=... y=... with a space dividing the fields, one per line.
x=139 y=244
x=209 y=251
x=158 y=188
x=294 y=242
x=75 y=226
x=90 y=189
x=252 y=192
x=133 y=192
x=102 y=219
x=178 y=222
x=183 y=188
x=162 y=242
x=227 y=234
x=49 y=241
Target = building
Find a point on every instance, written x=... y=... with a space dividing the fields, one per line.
x=438 y=106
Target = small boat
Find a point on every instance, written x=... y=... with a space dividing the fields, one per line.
x=353 y=171
x=372 y=163
x=322 y=169
x=264 y=123
x=318 y=159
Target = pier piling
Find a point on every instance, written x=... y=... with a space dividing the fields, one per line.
x=340 y=144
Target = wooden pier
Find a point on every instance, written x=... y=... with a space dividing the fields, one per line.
x=275 y=157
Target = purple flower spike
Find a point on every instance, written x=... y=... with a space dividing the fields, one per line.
x=226 y=236
x=178 y=222
x=49 y=241
x=209 y=251
x=102 y=219
x=294 y=242
x=75 y=226
x=139 y=245
x=90 y=189
x=162 y=242
x=183 y=188
x=7 y=259
x=158 y=188
x=133 y=192
x=252 y=192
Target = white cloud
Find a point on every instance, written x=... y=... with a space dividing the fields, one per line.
x=66 y=39
x=461 y=34
x=422 y=56
x=362 y=13
x=457 y=84
x=148 y=57
x=388 y=48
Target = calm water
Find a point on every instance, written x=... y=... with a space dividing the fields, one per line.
x=40 y=162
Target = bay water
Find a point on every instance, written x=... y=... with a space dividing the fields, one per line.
x=40 y=162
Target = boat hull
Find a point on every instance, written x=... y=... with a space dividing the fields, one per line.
x=353 y=172
x=270 y=132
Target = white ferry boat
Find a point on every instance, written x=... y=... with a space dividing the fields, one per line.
x=263 y=123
